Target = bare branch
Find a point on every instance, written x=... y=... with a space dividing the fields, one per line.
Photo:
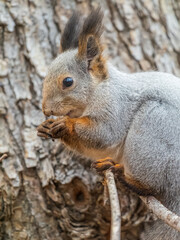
x=152 y=203
x=162 y=212
x=115 y=206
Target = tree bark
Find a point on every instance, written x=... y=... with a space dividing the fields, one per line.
x=47 y=192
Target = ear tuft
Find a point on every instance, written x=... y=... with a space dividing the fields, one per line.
x=70 y=36
x=92 y=28
x=90 y=48
x=93 y=23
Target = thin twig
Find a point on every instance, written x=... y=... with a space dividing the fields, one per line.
x=115 y=206
x=3 y=157
x=105 y=197
x=162 y=212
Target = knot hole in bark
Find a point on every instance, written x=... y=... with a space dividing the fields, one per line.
x=79 y=193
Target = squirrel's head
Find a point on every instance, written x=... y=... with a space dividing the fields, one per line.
x=74 y=74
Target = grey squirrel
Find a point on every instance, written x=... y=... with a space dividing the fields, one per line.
x=130 y=121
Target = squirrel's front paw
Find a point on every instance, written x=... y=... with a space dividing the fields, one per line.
x=60 y=128
x=43 y=130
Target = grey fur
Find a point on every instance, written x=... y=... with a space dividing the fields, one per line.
x=137 y=122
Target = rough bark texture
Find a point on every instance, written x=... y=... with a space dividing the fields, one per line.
x=46 y=192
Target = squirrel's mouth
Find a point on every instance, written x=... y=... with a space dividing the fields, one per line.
x=69 y=113
x=74 y=113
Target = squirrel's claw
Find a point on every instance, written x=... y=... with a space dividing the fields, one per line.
x=43 y=129
x=43 y=132
x=43 y=135
x=52 y=128
x=57 y=123
x=48 y=123
x=58 y=129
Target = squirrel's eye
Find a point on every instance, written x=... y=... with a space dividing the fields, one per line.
x=67 y=82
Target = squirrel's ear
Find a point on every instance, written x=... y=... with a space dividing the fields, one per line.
x=90 y=48
x=70 y=36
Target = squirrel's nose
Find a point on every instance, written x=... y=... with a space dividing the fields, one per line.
x=47 y=113
x=46 y=110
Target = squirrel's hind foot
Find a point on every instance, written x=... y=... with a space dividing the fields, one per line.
x=102 y=165
x=118 y=170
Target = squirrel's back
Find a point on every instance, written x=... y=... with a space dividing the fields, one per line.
x=160 y=85
x=157 y=85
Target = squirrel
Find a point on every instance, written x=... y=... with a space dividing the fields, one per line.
x=129 y=122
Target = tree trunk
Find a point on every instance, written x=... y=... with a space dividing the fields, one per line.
x=46 y=192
